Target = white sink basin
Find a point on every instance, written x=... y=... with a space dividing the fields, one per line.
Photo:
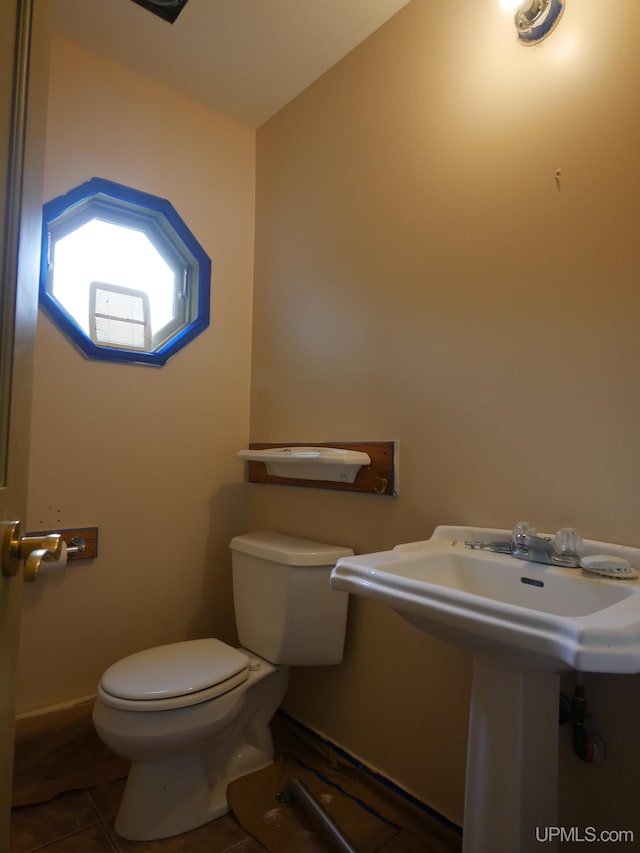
x=524 y=623
x=553 y=618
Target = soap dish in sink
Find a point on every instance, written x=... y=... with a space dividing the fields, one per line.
x=606 y=566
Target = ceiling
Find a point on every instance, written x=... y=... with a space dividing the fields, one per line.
x=244 y=58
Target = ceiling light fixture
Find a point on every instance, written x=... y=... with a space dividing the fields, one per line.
x=168 y=10
x=534 y=19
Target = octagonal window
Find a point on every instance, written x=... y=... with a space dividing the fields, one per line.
x=122 y=276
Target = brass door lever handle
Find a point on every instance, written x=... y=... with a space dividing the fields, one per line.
x=50 y=551
x=33 y=549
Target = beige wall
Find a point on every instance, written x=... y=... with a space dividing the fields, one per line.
x=421 y=276
x=147 y=455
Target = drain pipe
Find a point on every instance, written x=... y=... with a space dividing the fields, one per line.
x=298 y=796
x=587 y=745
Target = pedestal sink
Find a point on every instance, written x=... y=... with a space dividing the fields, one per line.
x=525 y=623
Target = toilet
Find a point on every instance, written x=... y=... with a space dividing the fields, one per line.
x=194 y=715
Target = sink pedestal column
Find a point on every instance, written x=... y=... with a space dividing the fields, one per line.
x=511 y=791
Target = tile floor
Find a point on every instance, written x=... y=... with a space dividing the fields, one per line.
x=82 y=822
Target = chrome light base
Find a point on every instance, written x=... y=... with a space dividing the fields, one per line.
x=536 y=21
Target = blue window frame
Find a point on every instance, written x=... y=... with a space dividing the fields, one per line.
x=121 y=274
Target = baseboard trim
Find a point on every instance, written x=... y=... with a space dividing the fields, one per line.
x=57 y=749
x=51 y=709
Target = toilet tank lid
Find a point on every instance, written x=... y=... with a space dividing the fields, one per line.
x=288 y=550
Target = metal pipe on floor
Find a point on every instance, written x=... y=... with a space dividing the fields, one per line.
x=295 y=793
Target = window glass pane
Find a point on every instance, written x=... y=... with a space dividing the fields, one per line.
x=107 y=252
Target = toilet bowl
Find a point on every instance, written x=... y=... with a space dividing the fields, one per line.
x=194 y=715
x=171 y=738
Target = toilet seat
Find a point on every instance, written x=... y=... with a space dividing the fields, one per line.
x=174 y=676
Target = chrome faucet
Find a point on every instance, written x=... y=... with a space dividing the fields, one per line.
x=537 y=549
x=525 y=544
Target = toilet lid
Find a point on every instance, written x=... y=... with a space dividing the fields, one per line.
x=178 y=669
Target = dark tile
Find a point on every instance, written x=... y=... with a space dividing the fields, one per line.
x=92 y=840
x=34 y=826
x=106 y=798
x=224 y=834
x=249 y=845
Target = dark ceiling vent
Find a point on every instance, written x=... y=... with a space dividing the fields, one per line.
x=168 y=10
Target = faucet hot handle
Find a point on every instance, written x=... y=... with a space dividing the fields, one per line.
x=568 y=542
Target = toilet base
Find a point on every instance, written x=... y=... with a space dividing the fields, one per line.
x=172 y=795
x=186 y=788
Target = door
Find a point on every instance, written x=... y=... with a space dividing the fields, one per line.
x=24 y=35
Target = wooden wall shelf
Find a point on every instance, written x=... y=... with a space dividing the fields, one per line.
x=378 y=478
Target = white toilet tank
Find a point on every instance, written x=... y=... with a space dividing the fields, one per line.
x=285 y=609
